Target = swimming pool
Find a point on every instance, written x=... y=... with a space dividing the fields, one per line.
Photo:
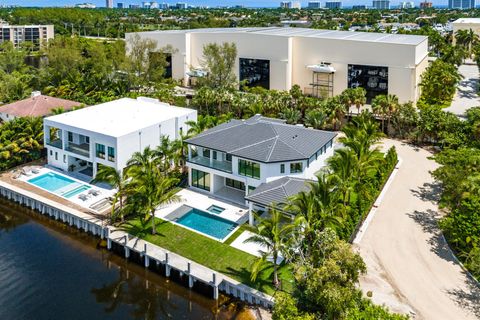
x=206 y=223
x=215 y=209
x=51 y=181
x=58 y=184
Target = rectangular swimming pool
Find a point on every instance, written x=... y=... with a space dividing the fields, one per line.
x=58 y=184
x=51 y=181
x=206 y=223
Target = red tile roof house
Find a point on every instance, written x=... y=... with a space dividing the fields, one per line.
x=37 y=105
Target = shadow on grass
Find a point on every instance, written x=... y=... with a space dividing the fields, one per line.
x=263 y=282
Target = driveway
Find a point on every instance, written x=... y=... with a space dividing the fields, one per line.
x=466 y=96
x=410 y=267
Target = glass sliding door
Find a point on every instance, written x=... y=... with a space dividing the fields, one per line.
x=373 y=79
x=201 y=179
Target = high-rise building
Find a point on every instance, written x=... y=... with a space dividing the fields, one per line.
x=109 y=3
x=133 y=6
x=314 y=5
x=290 y=5
x=37 y=34
x=333 y=4
x=359 y=7
x=181 y=5
x=406 y=5
x=426 y=4
x=381 y=4
x=146 y=5
x=120 y=5
x=461 y=4
x=154 y=5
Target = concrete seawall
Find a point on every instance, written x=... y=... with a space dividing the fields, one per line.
x=148 y=252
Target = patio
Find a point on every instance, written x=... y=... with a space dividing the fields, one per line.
x=203 y=201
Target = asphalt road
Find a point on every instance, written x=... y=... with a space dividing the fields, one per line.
x=410 y=267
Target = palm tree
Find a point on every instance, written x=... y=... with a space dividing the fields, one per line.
x=149 y=187
x=337 y=110
x=343 y=165
x=467 y=38
x=273 y=234
x=292 y=116
x=203 y=123
x=359 y=97
x=316 y=118
x=118 y=181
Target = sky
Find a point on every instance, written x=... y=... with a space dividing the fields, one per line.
x=211 y=3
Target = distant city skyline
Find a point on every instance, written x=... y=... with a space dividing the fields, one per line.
x=210 y=3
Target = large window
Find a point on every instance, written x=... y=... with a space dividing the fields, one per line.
x=206 y=153
x=373 y=79
x=235 y=184
x=255 y=73
x=111 y=154
x=249 y=169
x=296 y=167
x=100 y=150
x=201 y=179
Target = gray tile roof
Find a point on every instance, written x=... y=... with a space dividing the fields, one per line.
x=263 y=139
x=278 y=191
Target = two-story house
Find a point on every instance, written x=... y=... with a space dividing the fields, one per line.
x=233 y=158
x=109 y=133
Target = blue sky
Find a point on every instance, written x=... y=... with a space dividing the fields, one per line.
x=212 y=3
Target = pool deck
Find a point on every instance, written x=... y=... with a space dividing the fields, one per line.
x=199 y=200
x=8 y=177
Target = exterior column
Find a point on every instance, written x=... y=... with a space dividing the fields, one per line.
x=167 y=267
x=215 y=286
x=251 y=219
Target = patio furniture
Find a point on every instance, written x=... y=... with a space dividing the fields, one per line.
x=94 y=192
x=83 y=197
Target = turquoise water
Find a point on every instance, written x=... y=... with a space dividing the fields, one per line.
x=206 y=223
x=51 y=181
x=75 y=191
x=215 y=209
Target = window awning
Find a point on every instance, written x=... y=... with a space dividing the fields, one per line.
x=323 y=68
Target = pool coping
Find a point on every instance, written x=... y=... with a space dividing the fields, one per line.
x=199 y=232
x=48 y=170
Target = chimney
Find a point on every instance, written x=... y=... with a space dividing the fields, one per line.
x=35 y=94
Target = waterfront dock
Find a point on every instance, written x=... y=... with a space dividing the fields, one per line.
x=148 y=252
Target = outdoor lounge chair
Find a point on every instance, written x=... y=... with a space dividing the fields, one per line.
x=94 y=192
x=35 y=171
x=25 y=172
x=83 y=197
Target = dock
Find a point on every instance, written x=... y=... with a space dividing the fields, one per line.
x=149 y=253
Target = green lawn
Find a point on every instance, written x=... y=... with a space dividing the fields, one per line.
x=211 y=253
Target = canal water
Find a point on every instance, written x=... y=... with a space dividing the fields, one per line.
x=52 y=271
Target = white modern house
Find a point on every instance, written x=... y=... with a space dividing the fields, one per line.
x=466 y=24
x=235 y=158
x=111 y=132
x=321 y=62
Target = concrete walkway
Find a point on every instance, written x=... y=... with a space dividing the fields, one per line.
x=410 y=267
x=466 y=96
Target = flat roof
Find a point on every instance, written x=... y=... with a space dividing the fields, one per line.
x=312 y=33
x=120 y=117
x=467 y=20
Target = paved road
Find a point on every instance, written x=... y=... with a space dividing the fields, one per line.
x=466 y=96
x=410 y=267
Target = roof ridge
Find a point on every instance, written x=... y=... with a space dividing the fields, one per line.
x=303 y=154
x=273 y=147
x=32 y=110
x=253 y=144
x=280 y=186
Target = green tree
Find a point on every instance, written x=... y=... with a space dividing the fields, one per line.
x=118 y=181
x=271 y=233
x=219 y=61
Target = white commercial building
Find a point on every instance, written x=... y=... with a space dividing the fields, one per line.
x=38 y=35
x=466 y=24
x=111 y=132
x=321 y=62
x=232 y=159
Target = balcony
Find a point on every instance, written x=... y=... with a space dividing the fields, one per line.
x=225 y=166
x=80 y=149
x=57 y=143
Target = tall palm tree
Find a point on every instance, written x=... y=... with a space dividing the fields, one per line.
x=467 y=38
x=118 y=181
x=273 y=234
x=337 y=111
x=343 y=165
x=359 y=97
